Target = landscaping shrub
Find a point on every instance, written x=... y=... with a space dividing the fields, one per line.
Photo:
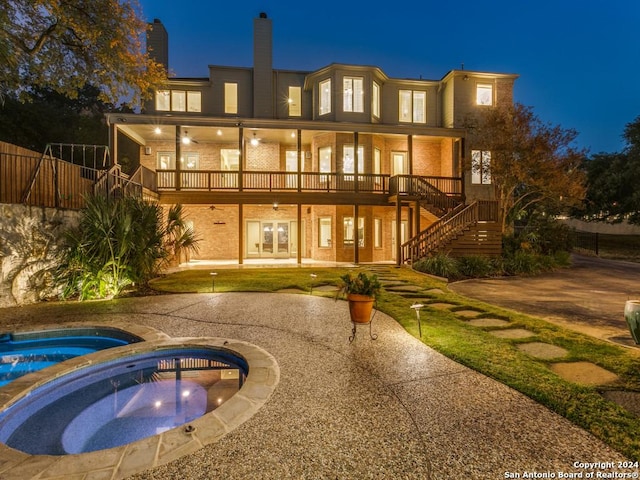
x=475 y=266
x=440 y=264
x=119 y=243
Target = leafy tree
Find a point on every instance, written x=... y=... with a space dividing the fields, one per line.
x=533 y=164
x=612 y=194
x=50 y=117
x=119 y=243
x=64 y=44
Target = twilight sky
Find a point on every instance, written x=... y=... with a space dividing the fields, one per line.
x=578 y=60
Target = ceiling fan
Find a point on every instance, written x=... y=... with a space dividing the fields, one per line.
x=187 y=140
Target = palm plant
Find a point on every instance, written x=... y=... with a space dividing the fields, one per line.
x=119 y=243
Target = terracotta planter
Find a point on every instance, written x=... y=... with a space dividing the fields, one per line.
x=360 y=307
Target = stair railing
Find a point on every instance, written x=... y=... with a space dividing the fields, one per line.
x=440 y=232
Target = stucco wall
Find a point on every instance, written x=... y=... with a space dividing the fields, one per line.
x=30 y=239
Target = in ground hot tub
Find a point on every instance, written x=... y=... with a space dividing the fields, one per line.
x=122 y=400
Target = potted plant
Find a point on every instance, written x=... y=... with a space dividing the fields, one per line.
x=361 y=290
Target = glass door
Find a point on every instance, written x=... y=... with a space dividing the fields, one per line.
x=281 y=249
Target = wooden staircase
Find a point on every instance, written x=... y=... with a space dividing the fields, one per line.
x=461 y=229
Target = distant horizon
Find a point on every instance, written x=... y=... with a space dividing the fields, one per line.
x=581 y=95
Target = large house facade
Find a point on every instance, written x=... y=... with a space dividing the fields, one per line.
x=341 y=164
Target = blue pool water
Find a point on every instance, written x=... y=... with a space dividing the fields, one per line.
x=29 y=352
x=117 y=402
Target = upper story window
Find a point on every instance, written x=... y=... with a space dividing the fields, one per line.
x=295 y=101
x=484 y=94
x=231 y=98
x=178 y=101
x=324 y=101
x=353 y=94
x=412 y=106
x=194 y=101
x=481 y=167
x=375 y=100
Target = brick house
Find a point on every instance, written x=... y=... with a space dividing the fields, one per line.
x=341 y=164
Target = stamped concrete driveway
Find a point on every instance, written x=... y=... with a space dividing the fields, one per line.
x=588 y=297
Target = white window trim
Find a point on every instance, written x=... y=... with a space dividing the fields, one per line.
x=484 y=86
x=324 y=242
x=412 y=115
x=324 y=97
x=375 y=100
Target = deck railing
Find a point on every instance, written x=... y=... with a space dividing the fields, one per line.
x=212 y=180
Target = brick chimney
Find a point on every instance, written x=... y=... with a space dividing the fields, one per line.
x=262 y=68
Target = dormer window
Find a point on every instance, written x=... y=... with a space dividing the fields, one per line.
x=353 y=94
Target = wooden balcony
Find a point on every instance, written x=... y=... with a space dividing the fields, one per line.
x=216 y=180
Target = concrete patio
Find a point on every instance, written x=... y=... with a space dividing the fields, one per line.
x=391 y=408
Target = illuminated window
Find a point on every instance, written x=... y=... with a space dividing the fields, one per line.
x=353 y=94
x=166 y=161
x=412 y=106
x=376 y=161
x=178 y=100
x=190 y=160
x=325 y=97
x=419 y=107
x=231 y=98
x=349 y=232
x=324 y=154
x=377 y=232
x=324 y=232
x=163 y=100
x=481 y=167
x=375 y=100
x=484 y=94
x=194 y=102
x=229 y=159
x=295 y=101
x=348 y=160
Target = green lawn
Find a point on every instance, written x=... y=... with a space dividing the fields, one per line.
x=469 y=345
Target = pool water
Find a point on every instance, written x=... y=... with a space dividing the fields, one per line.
x=29 y=352
x=120 y=401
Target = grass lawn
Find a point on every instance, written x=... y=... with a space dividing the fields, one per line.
x=472 y=346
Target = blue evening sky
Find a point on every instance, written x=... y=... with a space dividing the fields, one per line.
x=578 y=61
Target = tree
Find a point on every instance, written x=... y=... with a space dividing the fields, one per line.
x=50 y=117
x=612 y=193
x=64 y=44
x=532 y=164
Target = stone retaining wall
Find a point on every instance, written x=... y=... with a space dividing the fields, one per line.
x=30 y=239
